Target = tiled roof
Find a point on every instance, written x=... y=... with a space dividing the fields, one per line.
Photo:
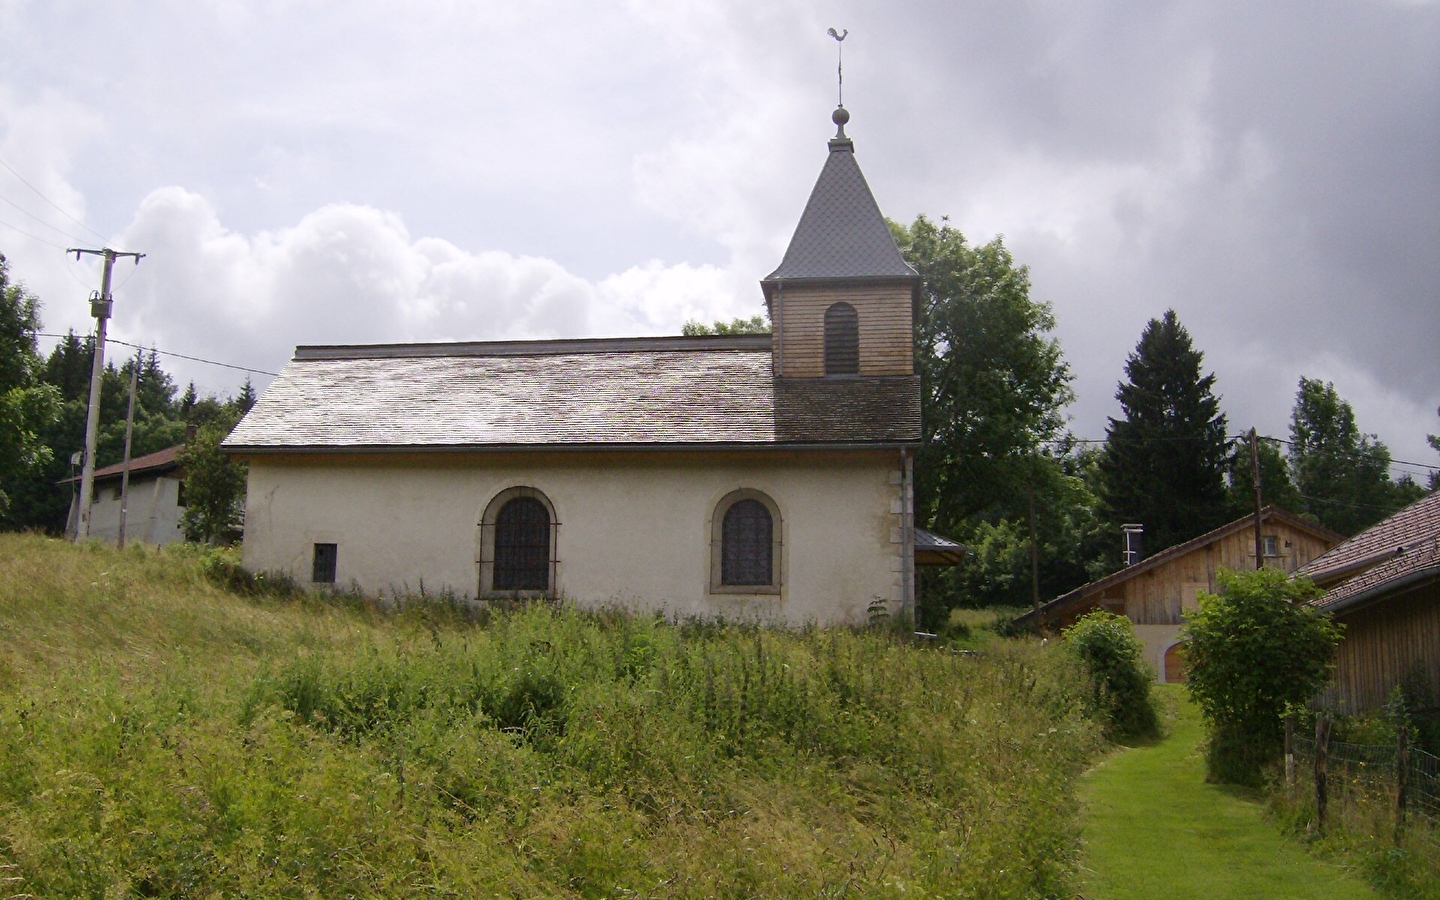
x=1416 y=522
x=842 y=233
x=159 y=460
x=1085 y=590
x=698 y=391
x=1402 y=547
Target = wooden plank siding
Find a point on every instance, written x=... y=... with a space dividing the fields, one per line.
x=1381 y=644
x=886 y=333
x=1161 y=595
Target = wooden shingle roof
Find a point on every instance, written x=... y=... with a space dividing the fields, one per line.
x=676 y=392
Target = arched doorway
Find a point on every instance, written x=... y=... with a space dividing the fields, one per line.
x=1175 y=664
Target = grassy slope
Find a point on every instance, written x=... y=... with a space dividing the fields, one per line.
x=1156 y=829
x=162 y=737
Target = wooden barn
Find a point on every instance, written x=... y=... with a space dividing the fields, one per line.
x=1155 y=592
x=1384 y=586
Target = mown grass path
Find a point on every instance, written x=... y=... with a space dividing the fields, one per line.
x=1154 y=828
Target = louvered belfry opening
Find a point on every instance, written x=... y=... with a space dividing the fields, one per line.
x=842 y=340
x=522 y=546
x=747 y=545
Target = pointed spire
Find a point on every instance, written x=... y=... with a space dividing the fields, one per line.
x=842 y=233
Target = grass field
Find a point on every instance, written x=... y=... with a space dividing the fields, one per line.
x=1156 y=829
x=161 y=736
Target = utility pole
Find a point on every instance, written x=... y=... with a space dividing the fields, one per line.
x=100 y=308
x=1034 y=566
x=1255 y=481
x=125 y=465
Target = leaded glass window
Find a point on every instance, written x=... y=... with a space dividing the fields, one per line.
x=747 y=545
x=522 y=546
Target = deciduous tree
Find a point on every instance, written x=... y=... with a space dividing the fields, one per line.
x=993 y=384
x=1343 y=474
x=1252 y=651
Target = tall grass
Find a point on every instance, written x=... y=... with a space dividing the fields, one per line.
x=160 y=736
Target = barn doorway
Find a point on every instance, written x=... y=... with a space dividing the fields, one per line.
x=1175 y=664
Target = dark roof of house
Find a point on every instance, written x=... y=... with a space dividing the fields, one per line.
x=673 y=392
x=842 y=233
x=150 y=464
x=933 y=550
x=1170 y=553
x=1386 y=556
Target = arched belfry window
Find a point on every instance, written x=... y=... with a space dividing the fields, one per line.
x=745 y=544
x=517 y=543
x=842 y=340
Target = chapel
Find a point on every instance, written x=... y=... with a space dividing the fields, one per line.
x=756 y=477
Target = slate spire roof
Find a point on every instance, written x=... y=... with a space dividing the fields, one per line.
x=841 y=233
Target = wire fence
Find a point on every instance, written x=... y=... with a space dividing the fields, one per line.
x=1378 y=789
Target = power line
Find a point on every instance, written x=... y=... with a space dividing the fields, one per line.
x=198 y=359
x=1234 y=437
x=57 y=206
x=34 y=237
x=26 y=212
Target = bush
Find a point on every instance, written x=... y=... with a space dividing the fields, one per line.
x=1115 y=659
x=1253 y=651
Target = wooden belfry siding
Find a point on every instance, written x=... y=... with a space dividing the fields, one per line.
x=1381 y=643
x=886 y=338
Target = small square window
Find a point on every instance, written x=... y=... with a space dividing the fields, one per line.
x=323 y=570
x=1270 y=545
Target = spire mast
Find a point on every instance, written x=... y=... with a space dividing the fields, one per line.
x=839 y=63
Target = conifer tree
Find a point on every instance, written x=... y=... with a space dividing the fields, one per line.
x=1164 y=462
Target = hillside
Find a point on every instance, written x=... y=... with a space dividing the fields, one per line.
x=161 y=736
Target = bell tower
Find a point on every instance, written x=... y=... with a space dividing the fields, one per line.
x=842 y=302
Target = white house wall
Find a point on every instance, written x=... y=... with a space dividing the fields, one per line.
x=634 y=529
x=153 y=516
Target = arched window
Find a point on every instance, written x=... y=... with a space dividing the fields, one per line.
x=842 y=340
x=745 y=544
x=518 y=543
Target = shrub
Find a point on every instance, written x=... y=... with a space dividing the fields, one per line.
x=1115 y=659
x=1253 y=651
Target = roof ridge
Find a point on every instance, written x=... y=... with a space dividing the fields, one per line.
x=540 y=347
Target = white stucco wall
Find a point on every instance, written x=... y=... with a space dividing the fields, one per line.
x=1157 y=639
x=153 y=515
x=634 y=529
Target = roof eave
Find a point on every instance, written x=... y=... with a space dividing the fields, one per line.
x=246 y=450
x=1377 y=592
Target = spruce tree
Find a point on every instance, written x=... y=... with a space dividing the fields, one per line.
x=1164 y=462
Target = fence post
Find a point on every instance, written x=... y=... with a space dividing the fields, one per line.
x=1402 y=778
x=1289 y=753
x=1322 y=752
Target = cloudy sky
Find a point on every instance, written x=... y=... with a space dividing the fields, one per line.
x=325 y=172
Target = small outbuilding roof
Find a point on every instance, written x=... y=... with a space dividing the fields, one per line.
x=668 y=392
x=934 y=550
x=149 y=464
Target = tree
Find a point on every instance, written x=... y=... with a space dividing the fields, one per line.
x=27 y=405
x=1164 y=462
x=1254 y=651
x=1275 y=485
x=1343 y=474
x=752 y=325
x=214 y=485
x=993 y=384
x=1115 y=659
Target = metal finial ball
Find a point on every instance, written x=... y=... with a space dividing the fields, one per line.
x=840 y=116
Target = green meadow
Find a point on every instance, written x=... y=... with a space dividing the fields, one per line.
x=163 y=736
